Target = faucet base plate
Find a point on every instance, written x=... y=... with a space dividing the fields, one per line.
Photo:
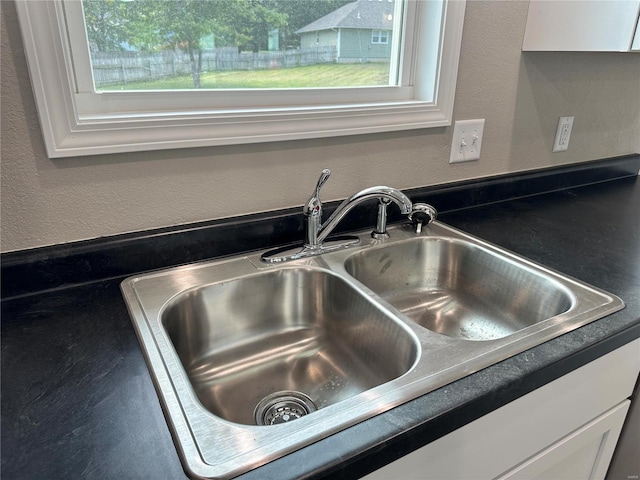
x=296 y=252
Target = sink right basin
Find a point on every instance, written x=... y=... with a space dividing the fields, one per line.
x=460 y=289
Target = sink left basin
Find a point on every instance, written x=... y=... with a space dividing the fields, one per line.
x=252 y=361
x=271 y=347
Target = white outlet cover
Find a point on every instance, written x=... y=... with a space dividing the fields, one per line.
x=467 y=140
x=563 y=133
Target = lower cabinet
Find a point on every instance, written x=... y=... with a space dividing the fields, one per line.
x=585 y=453
x=567 y=429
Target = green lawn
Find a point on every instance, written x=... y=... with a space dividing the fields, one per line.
x=334 y=75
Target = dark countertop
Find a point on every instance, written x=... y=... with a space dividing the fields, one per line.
x=78 y=400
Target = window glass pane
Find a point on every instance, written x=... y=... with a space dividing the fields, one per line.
x=380 y=36
x=242 y=44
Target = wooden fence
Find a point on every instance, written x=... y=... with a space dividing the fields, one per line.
x=111 y=68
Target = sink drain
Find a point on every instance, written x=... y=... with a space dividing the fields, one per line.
x=282 y=407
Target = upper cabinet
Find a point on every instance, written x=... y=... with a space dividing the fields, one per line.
x=582 y=26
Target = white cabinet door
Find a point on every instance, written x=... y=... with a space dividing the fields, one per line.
x=545 y=431
x=584 y=454
x=581 y=25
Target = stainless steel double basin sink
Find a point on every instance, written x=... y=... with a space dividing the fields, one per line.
x=253 y=361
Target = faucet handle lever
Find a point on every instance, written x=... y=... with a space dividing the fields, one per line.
x=324 y=176
x=314 y=204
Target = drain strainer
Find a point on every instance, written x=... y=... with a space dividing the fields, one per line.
x=282 y=407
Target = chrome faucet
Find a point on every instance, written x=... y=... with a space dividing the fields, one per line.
x=316 y=232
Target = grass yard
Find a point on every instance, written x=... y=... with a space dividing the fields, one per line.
x=330 y=75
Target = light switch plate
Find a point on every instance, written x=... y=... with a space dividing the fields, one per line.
x=467 y=140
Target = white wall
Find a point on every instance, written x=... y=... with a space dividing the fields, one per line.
x=521 y=96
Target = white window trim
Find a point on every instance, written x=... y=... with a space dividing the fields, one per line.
x=70 y=130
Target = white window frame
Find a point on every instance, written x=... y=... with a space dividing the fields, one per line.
x=380 y=37
x=76 y=122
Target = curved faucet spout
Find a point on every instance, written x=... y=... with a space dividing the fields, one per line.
x=346 y=206
x=316 y=231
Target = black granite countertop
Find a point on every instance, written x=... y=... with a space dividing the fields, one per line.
x=78 y=400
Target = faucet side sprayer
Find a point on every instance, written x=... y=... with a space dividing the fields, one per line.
x=422 y=214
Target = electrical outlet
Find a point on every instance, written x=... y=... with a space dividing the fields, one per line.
x=563 y=133
x=467 y=140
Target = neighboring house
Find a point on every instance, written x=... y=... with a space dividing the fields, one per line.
x=361 y=31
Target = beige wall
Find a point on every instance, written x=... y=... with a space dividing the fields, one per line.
x=520 y=95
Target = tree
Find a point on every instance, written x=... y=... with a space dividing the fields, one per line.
x=184 y=23
x=151 y=25
x=262 y=17
x=106 y=22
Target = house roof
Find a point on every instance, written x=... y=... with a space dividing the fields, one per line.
x=374 y=14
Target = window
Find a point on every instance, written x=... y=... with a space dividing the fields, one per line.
x=234 y=44
x=380 y=36
x=82 y=115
